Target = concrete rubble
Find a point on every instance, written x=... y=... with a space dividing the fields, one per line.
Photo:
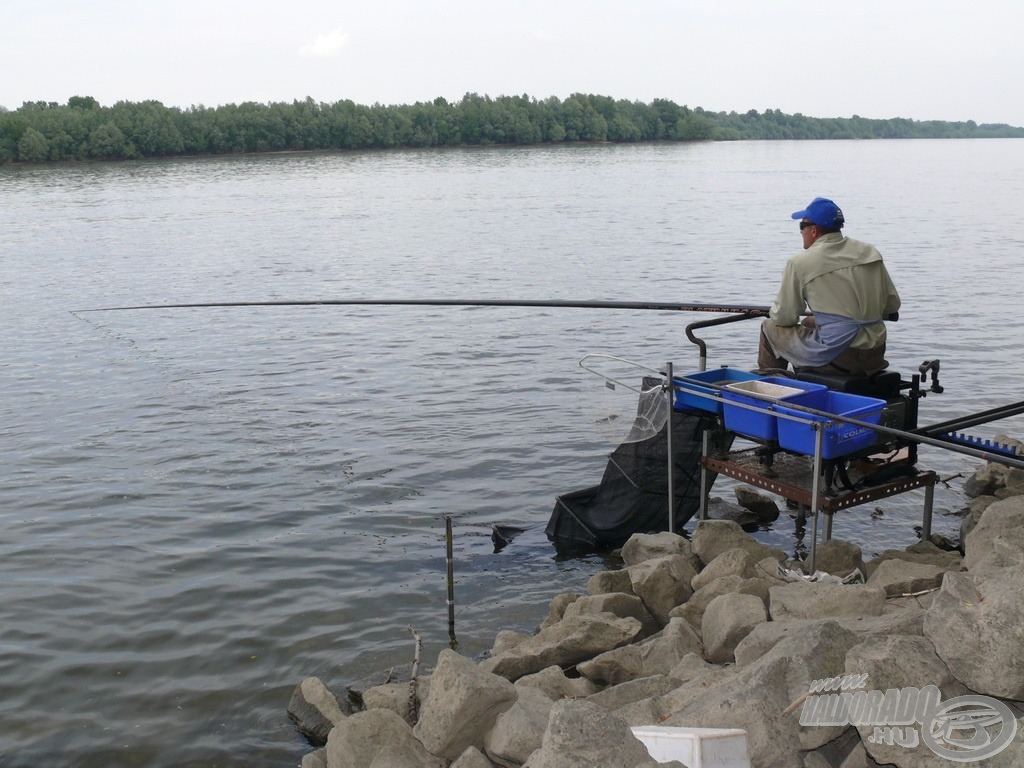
x=709 y=632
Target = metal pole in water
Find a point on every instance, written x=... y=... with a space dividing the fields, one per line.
x=670 y=389
x=450 y=561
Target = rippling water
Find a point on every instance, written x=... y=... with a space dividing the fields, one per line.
x=202 y=507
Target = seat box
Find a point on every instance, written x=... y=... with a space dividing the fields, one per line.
x=839 y=439
x=765 y=393
x=688 y=396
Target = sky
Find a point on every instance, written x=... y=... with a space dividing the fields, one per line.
x=918 y=59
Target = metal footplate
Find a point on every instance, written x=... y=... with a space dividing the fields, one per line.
x=791 y=477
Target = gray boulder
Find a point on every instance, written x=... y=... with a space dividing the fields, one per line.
x=472 y=758
x=662 y=583
x=556 y=610
x=899 y=662
x=565 y=644
x=978 y=631
x=840 y=558
x=732 y=562
x=584 y=735
x=315 y=709
x=713 y=537
x=406 y=755
x=762 y=505
x=604 y=582
x=395 y=696
x=618 y=696
x=819 y=600
x=654 y=656
x=463 y=704
x=648 y=546
x=986 y=480
x=727 y=620
x=506 y=640
x=314 y=759
x=894 y=621
x=755 y=696
x=617 y=604
x=898 y=577
x=693 y=609
x=357 y=741
x=553 y=683
x=519 y=730
x=1001 y=519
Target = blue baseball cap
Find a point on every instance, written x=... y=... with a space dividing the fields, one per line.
x=822 y=212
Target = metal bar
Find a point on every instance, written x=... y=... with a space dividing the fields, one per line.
x=701 y=345
x=972 y=420
x=705 y=475
x=555 y=304
x=819 y=435
x=926 y=521
x=670 y=392
x=450 y=561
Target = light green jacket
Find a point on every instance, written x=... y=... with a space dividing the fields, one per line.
x=838 y=275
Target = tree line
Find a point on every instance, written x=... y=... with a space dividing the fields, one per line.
x=82 y=129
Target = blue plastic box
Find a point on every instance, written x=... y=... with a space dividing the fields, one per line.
x=839 y=439
x=685 y=401
x=752 y=423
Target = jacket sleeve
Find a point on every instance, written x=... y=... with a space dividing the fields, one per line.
x=892 y=299
x=789 y=304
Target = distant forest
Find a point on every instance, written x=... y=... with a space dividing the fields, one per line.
x=82 y=129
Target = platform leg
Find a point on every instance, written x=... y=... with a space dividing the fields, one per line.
x=705 y=474
x=828 y=526
x=926 y=521
x=816 y=493
x=670 y=393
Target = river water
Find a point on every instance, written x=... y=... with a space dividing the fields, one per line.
x=201 y=507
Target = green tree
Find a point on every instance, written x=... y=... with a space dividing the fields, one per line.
x=33 y=147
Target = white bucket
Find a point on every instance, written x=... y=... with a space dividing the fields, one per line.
x=696 y=747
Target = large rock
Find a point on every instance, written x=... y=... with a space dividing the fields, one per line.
x=604 y=582
x=570 y=641
x=727 y=620
x=618 y=604
x=978 y=631
x=732 y=562
x=655 y=656
x=755 y=697
x=896 y=663
x=1002 y=519
x=894 y=621
x=819 y=600
x=584 y=735
x=463 y=704
x=519 y=730
x=693 y=609
x=395 y=696
x=315 y=709
x=472 y=758
x=357 y=741
x=986 y=480
x=898 y=577
x=553 y=683
x=840 y=558
x=618 y=696
x=556 y=610
x=662 y=583
x=713 y=537
x=648 y=546
x=762 y=505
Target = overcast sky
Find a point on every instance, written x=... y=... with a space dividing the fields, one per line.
x=921 y=59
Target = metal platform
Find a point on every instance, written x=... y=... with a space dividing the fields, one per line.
x=794 y=478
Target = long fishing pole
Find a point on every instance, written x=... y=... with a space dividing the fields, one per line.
x=737 y=309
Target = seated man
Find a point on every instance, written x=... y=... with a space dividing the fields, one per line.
x=848 y=291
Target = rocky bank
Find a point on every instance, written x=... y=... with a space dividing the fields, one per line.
x=711 y=632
